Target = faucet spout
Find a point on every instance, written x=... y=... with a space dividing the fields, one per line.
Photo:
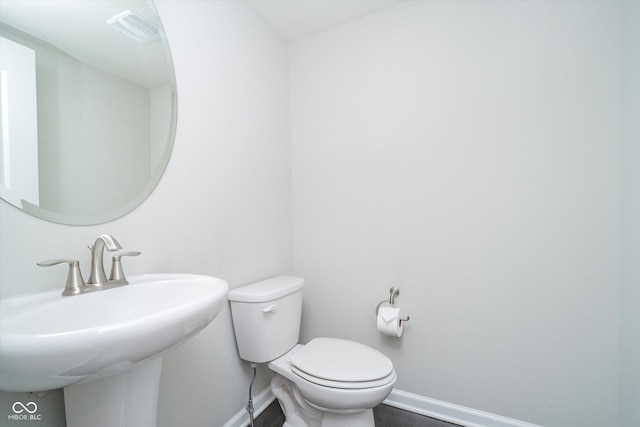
x=98 y=276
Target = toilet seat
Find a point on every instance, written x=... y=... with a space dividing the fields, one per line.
x=344 y=364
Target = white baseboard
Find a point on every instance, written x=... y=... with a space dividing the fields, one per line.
x=450 y=412
x=433 y=408
x=260 y=403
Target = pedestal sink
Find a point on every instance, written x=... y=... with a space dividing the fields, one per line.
x=105 y=348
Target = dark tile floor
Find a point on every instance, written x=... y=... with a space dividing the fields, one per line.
x=385 y=416
x=270 y=417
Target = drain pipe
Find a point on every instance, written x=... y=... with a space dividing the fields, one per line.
x=250 y=403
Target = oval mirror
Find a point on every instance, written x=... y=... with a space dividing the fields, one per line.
x=88 y=107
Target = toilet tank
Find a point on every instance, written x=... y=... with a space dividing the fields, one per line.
x=266 y=317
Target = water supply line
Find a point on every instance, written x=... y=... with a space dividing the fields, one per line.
x=250 y=403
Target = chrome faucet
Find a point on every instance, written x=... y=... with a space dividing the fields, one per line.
x=98 y=276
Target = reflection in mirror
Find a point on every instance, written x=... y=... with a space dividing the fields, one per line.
x=88 y=107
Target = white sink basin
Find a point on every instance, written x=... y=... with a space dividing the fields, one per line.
x=48 y=341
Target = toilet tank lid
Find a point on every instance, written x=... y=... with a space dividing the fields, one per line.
x=266 y=290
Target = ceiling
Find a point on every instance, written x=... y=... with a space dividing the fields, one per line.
x=295 y=19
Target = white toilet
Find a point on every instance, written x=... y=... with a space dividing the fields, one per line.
x=328 y=382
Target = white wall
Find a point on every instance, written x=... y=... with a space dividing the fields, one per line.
x=223 y=207
x=468 y=153
x=630 y=224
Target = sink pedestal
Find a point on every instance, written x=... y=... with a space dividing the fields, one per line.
x=127 y=399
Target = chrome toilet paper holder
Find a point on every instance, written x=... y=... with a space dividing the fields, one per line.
x=393 y=293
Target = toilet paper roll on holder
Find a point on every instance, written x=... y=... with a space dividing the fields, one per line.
x=393 y=293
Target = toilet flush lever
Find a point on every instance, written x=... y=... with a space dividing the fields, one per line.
x=270 y=309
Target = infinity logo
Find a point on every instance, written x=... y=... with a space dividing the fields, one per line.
x=19 y=407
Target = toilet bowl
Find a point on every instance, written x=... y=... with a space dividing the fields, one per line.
x=328 y=382
x=373 y=384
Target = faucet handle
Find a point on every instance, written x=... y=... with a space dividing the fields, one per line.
x=117 y=274
x=75 y=282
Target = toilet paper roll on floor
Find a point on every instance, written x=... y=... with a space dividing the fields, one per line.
x=388 y=321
